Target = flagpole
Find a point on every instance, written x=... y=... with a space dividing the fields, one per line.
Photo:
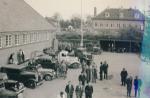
x=81 y=43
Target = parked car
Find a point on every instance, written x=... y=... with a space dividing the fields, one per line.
x=46 y=62
x=20 y=73
x=10 y=88
x=71 y=61
x=97 y=50
x=48 y=74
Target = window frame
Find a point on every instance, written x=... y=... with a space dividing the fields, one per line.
x=8 y=40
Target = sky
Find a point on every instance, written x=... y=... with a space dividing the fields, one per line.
x=69 y=8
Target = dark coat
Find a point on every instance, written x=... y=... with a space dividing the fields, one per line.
x=82 y=78
x=79 y=90
x=94 y=72
x=124 y=74
x=129 y=83
x=105 y=68
x=69 y=90
x=89 y=90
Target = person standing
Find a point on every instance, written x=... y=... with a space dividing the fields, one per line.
x=105 y=68
x=137 y=86
x=82 y=78
x=101 y=71
x=64 y=69
x=11 y=58
x=69 y=90
x=123 y=75
x=79 y=90
x=88 y=74
x=129 y=86
x=88 y=91
x=94 y=74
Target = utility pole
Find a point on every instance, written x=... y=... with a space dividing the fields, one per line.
x=81 y=43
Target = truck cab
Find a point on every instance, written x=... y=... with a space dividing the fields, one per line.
x=20 y=73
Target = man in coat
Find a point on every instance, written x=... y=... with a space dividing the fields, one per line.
x=69 y=90
x=137 y=86
x=88 y=91
x=129 y=86
x=123 y=75
x=94 y=74
x=82 y=78
x=79 y=90
x=105 y=68
x=88 y=74
x=101 y=71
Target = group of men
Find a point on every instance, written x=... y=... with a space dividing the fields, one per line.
x=103 y=70
x=79 y=90
x=20 y=57
x=128 y=80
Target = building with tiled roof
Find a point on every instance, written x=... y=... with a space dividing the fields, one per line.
x=21 y=27
x=113 y=20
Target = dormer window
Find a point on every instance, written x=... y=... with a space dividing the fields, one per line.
x=121 y=15
x=136 y=16
x=107 y=14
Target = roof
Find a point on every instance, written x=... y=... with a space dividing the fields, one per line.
x=17 y=15
x=14 y=66
x=120 y=14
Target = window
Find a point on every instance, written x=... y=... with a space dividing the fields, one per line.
x=101 y=25
x=136 y=16
x=124 y=25
x=16 y=39
x=118 y=25
x=107 y=15
x=0 y=42
x=95 y=24
x=47 y=35
x=121 y=15
x=111 y=25
x=106 y=25
x=8 y=40
x=31 y=37
x=24 y=38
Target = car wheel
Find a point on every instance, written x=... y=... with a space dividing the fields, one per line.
x=48 y=77
x=31 y=84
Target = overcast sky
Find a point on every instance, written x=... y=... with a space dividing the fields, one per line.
x=67 y=8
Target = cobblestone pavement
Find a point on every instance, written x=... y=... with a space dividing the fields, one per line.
x=102 y=89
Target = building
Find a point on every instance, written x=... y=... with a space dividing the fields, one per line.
x=119 y=28
x=21 y=27
x=113 y=20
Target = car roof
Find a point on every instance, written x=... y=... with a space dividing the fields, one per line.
x=14 y=66
x=44 y=57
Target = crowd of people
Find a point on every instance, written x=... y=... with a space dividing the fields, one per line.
x=89 y=74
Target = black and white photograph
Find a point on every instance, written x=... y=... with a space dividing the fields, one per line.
x=74 y=49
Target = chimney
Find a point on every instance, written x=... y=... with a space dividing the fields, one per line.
x=95 y=11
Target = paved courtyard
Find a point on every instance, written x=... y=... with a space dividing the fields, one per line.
x=102 y=89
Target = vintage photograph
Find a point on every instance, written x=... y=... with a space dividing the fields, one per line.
x=74 y=49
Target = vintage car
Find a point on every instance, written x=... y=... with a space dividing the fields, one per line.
x=48 y=74
x=83 y=55
x=20 y=73
x=97 y=50
x=71 y=61
x=46 y=61
x=10 y=88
